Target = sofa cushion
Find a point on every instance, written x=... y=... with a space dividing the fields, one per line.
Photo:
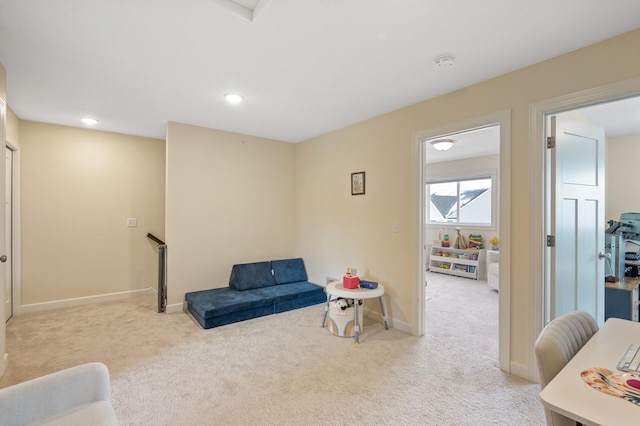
x=288 y=271
x=248 y=276
x=294 y=295
x=224 y=301
x=232 y=317
x=289 y=291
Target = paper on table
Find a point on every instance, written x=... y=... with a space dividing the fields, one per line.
x=606 y=381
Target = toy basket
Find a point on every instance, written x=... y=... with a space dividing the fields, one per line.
x=340 y=322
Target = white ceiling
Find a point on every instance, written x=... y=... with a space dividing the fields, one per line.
x=306 y=67
x=468 y=144
x=619 y=118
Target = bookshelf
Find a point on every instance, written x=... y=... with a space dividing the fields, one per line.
x=459 y=262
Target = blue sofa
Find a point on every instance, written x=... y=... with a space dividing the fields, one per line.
x=255 y=290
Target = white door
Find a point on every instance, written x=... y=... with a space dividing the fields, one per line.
x=577 y=219
x=8 y=275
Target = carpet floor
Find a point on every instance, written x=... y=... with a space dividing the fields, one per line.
x=285 y=369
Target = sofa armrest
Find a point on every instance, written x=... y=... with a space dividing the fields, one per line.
x=54 y=393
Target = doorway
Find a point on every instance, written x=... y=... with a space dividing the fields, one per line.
x=539 y=256
x=617 y=120
x=502 y=210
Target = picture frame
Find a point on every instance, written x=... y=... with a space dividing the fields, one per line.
x=358 y=183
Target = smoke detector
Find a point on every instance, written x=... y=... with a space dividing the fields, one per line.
x=444 y=61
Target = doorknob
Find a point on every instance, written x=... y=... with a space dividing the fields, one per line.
x=600 y=256
x=3 y=258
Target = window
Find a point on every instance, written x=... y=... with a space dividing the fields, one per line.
x=461 y=202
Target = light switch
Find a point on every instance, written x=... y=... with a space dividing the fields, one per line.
x=396 y=226
x=132 y=222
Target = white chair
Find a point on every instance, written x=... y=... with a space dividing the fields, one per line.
x=493 y=269
x=79 y=395
x=558 y=342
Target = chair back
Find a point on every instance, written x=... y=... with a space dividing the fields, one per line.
x=558 y=342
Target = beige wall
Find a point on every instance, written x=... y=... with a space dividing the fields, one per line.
x=335 y=230
x=78 y=188
x=13 y=128
x=230 y=199
x=621 y=175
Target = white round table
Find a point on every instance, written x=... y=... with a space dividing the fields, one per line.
x=336 y=289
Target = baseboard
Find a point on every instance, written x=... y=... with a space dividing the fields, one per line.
x=520 y=371
x=174 y=308
x=399 y=325
x=393 y=323
x=79 y=301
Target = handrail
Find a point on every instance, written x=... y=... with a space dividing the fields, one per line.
x=156 y=239
x=162 y=272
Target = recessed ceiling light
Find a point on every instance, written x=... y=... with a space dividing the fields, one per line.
x=233 y=98
x=89 y=121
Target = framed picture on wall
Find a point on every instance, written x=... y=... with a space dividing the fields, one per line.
x=357 y=183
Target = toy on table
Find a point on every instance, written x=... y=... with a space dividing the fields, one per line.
x=350 y=280
x=368 y=284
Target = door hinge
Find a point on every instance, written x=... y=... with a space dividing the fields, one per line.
x=551 y=142
x=551 y=241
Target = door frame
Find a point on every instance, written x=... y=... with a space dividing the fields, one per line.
x=538 y=191
x=503 y=118
x=16 y=238
x=8 y=226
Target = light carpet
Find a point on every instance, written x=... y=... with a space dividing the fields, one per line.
x=285 y=369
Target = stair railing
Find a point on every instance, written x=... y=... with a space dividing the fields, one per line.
x=162 y=272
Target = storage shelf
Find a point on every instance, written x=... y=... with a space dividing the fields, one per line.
x=471 y=265
x=457 y=261
x=453 y=272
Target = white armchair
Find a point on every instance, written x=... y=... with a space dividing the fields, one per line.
x=493 y=269
x=76 y=396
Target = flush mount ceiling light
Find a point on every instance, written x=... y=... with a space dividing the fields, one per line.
x=233 y=98
x=89 y=121
x=443 y=144
x=444 y=61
